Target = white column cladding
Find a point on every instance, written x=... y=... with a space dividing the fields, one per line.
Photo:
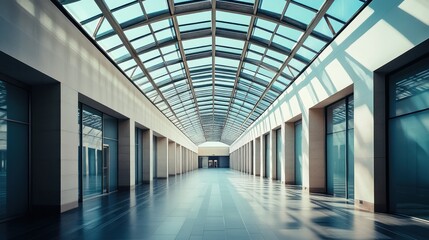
x=126 y=153
x=162 y=157
x=241 y=159
x=283 y=153
x=148 y=155
x=272 y=153
x=314 y=164
x=289 y=153
x=257 y=158
x=247 y=158
x=171 y=158
x=69 y=143
x=178 y=157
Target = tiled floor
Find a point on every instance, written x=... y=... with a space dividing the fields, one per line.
x=215 y=204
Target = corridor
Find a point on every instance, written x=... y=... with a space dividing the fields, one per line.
x=215 y=204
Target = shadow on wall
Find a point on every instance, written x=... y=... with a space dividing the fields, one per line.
x=343 y=66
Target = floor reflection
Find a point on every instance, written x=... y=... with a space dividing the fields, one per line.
x=215 y=204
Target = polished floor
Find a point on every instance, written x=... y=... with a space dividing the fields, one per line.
x=215 y=204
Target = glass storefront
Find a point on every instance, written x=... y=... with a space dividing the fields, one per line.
x=408 y=136
x=267 y=156
x=14 y=146
x=99 y=152
x=339 y=148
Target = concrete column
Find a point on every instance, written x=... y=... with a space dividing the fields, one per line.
x=126 y=153
x=148 y=155
x=69 y=143
x=54 y=139
x=250 y=144
x=184 y=159
x=289 y=153
x=162 y=157
x=273 y=153
x=243 y=148
x=171 y=158
x=314 y=164
x=247 y=158
x=282 y=156
x=178 y=159
x=263 y=171
x=257 y=156
x=241 y=158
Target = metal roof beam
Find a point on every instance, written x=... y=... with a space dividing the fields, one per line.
x=301 y=41
x=182 y=53
x=109 y=17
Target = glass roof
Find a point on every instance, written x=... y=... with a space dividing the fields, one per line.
x=212 y=67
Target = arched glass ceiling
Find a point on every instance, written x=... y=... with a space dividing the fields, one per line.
x=212 y=67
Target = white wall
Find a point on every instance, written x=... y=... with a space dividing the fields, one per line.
x=38 y=35
x=382 y=32
x=213 y=151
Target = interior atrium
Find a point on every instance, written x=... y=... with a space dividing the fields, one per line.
x=214 y=119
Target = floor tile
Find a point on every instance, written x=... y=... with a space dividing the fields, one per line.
x=215 y=204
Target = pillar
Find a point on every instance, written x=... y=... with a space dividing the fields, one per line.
x=171 y=158
x=314 y=164
x=126 y=153
x=162 y=157
x=257 y=156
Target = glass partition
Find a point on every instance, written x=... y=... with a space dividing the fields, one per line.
x=267 y=156
x=339 y=148
x=14 y=145
x=408 y=136
x=99 y=152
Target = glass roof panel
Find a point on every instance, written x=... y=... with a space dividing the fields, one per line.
x=137 y=32
x=83 y=10
x=232 y=17
x=110 y=42
x=112 y=4
x=156 y=26
x=299 y=13
x=155 y=7
x=315 y=4
x=130 y=12
x=243 y=70
x=272 y=7
x=344 y=9
x=118 y=53
x=104 y=27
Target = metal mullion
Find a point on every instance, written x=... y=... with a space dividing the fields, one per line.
x=243 y=54
x=159 y=51
x=329 y=25
x=213 y=12
x=273 y=33
x=307 y=33
x=97 y=28
x=182 y=52
x=115 y=25
x=236 y=11
x=162 y=56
